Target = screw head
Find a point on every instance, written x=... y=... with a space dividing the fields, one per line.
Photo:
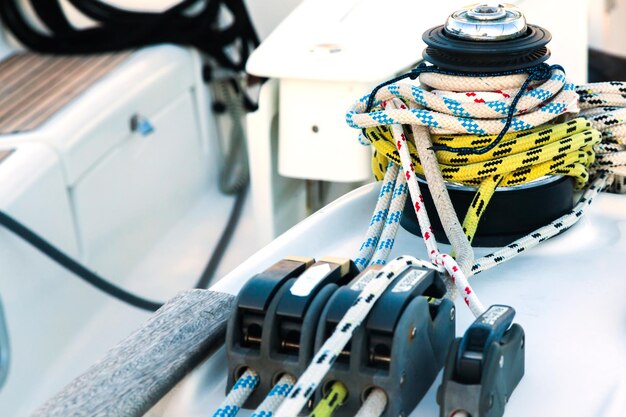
x=452 y=313
x=412 y=333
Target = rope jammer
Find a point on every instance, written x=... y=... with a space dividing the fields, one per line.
x=334 y=345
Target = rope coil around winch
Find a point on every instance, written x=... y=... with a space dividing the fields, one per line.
x=521 y=157
x=480 y=159
x=542 y=99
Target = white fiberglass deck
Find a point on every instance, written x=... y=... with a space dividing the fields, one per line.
x=568 y=293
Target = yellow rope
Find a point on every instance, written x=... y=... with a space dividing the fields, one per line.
x=521 y=157
x=335 y=397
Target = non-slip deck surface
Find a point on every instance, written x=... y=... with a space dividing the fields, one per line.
x=33 y=87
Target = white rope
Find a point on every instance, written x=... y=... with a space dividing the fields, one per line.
x=604 y=105
x=330 y=350
x=374 y=405
x=546 y=232
x=441 y=199
x=238 y=395
x=392 y=222
x=379 y=217
x=436 y=257
x=276 y=396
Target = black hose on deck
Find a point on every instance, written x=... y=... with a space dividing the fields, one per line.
x=76 y=268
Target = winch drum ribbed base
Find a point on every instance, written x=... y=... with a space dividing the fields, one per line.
x=510 y=215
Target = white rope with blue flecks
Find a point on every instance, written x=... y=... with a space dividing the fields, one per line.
x=392 y=222
x=276 y=397
x=238 y=395
x=383 y=227
x=449 y=112
x=604 y=105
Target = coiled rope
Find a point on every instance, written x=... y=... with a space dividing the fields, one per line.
x=483 y=158
x=604 y=105
x=528 y=153
x=521 y=157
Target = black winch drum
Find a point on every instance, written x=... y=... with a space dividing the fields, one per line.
x=489 y=39
x=512 y=213
x=473 y=56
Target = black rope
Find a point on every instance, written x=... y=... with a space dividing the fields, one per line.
x=120 y=29
x=540 y=72
x=207 y=276
x=76 y=268
x=104 y=285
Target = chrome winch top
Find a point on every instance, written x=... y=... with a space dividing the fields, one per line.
x=486 y=38
x=484 y=22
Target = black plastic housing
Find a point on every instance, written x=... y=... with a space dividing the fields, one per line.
x=510 y=215
x=400 y=348
x=450 y=53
